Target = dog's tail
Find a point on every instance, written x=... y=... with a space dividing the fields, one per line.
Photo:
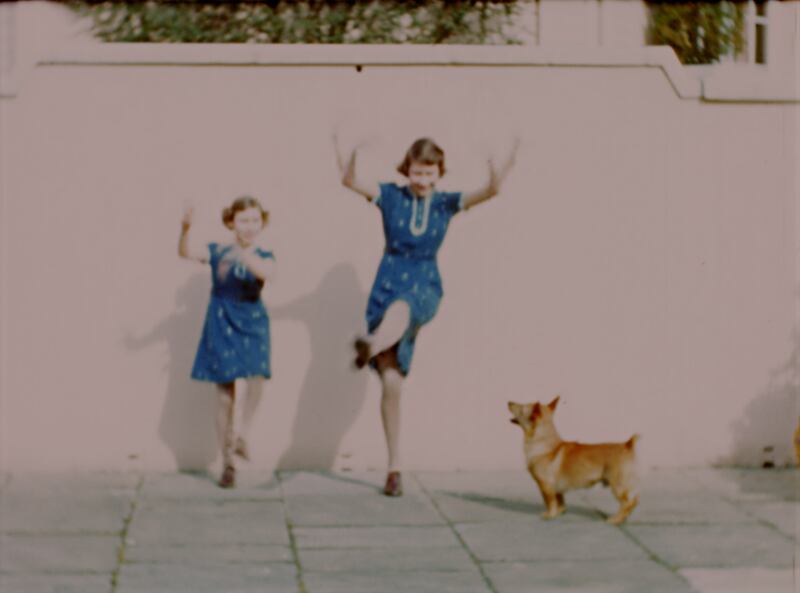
x=631 y=442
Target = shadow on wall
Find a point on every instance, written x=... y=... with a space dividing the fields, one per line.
x=332 y=393
x=187 y=418
x=764 y=435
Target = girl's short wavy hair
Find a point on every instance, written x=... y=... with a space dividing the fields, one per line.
x=240 y=204
x=426 y=152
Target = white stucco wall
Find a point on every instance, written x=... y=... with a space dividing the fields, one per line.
x=641 y=260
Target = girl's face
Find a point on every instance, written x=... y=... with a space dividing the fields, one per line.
x=247 y=224
x=422 y=177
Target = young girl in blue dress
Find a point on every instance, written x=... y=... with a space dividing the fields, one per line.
x=407 y=288
x=235 y=341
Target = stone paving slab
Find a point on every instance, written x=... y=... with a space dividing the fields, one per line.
x=205 y=553
x=401 y=582
x=479 y=508
x=55 y=583
x=182 y=578
x=361 y=509
x=750 y=484
x=742 y=580
x=740 y=545
x=46 y=512
x=590 y=576
x=387 y=560
x=539 y=540
x=70 y=483
x=783 y=516
x=27 y=553
x=314 y=482
x=375 y=537
x=669 y=507
x=215 y=521
x=500 y=484
x=202 y=486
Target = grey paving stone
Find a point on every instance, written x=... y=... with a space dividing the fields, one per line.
x=250 y=485
x=741 y=580
x=205 y=553
x=70 y=483
x=375 y=537
x=211 y=521
x=733 y=545
x=783 y=516
x=538 y=540
x=26 y=553
x=751 y=484
x=386 y=560
x=337 y=483
x=468 y=507
x=361 y=509
x=184 y=578
x=669 y=507
x=497 y=484
x=55 y=583
x=618 y=576
x=39 y=511
x=409 y=582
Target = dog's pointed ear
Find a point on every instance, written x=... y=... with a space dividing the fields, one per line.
x=552 y=405
x=536 y=411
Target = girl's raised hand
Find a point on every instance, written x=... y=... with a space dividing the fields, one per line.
x=188 y=215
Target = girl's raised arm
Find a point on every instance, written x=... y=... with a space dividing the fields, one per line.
x=185 y=248
x=496 y=178
x=348 y=171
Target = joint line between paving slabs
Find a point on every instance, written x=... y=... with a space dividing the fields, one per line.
x=124 y=535
x=460 y=539
x=301 y=586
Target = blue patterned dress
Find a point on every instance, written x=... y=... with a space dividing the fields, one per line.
x=235 y=341
x=414 y=229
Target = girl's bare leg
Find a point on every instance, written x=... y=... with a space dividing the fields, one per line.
x=392 y=382
x=226 y=399
x=249 y=405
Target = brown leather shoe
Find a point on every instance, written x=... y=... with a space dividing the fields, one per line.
x=228 y=479
x=394 y=484
x=363 y=353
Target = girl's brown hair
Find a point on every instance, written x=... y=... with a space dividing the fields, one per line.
x=426 y=152
x=240 y=204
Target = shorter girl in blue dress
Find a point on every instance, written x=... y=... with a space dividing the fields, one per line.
x=235 y=341
x=407 y=288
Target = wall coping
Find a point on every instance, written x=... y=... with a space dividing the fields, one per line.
x=735 y=84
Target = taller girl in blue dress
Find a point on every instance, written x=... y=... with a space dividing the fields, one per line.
x=235 y=343
x=407 y=288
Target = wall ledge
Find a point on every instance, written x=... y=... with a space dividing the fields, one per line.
x=729 y=84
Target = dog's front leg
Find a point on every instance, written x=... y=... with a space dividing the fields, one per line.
x=551 y=501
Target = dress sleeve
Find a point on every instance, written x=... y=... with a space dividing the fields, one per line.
x=265 y=254
x=213 y=252
x=388 y=191
x=453 y=201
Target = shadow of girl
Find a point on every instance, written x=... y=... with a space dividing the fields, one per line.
x=187 y=417
x=332 y=393
x=763 y=435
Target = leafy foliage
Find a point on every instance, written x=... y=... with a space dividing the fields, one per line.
x=699 y=32
x=307 y=21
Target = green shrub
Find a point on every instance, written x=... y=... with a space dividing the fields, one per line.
x=699 y=32
x=308 y=21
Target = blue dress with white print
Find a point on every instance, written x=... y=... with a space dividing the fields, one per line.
x=414 y=229
x=235 y=341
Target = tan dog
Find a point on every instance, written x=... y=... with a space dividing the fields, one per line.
x=558 y=466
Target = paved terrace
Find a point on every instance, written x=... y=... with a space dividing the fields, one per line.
x=707 y=531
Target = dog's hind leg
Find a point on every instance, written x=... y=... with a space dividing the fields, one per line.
x=627 y=502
